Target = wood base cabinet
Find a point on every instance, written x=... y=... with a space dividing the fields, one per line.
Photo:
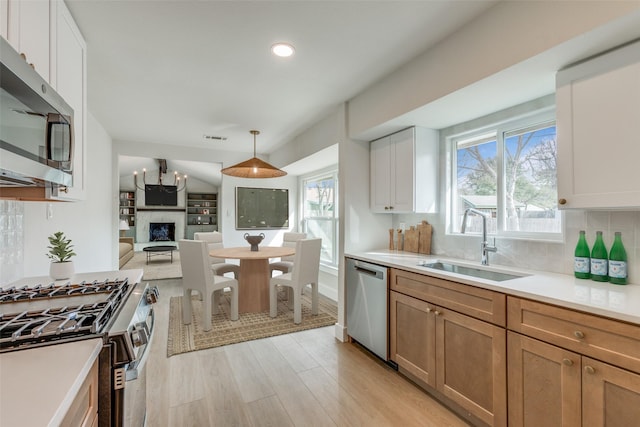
x=544 y=384
x=461 y=357
x=550 y=386
x=554 y=378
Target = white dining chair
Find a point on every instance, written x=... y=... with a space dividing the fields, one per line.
x=306 y=267
x=198 y=275
x=285 y=265
x=219 y=265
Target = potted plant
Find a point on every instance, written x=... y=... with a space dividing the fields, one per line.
x=60 y=253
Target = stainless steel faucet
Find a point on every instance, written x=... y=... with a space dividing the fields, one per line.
x=484 y=246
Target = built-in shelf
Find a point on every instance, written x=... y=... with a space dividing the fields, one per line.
x=127 y=211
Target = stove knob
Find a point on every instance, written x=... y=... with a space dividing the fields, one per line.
x=139 y=337
x=152 y=295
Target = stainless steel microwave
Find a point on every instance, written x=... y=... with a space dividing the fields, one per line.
x=36 y=132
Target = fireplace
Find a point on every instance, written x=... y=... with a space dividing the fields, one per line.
x=162 y=231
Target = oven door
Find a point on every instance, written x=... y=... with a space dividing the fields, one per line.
x=135 y=388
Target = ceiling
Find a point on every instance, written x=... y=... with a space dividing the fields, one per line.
x=173 y=71
x=170 y=72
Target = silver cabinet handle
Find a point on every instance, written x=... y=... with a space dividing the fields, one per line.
x=589 y=369
x=579 y=334
x=437 y=313
x=428 y=310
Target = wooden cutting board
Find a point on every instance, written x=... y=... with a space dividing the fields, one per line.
x=424 y=243
x=411 y=239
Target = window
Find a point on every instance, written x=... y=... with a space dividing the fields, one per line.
x=509 y=173
x=320 y=213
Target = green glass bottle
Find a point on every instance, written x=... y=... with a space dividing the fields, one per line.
x=599 y=260
x=618 y=261
x=582 y=258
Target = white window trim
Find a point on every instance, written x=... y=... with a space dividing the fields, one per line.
x=333 y=171
x=545 y=115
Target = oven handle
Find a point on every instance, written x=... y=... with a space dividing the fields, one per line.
x=138 y=364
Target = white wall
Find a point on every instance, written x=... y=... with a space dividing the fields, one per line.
x=231 y=236
x=507 y=34
x=88 y=223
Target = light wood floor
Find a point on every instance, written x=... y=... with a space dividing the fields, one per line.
x=303 y=379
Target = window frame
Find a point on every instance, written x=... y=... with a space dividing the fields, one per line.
x=501 y=129
x=330 y=172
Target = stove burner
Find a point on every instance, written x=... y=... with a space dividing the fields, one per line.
x=83 y=312
x=14 y=294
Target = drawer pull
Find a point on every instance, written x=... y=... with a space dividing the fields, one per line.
x=437 y=313
x=589 y=369
x=579 y=334
x=567 y=362
x=428 y=310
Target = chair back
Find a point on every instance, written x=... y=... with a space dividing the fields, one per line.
x=196 y=265
x=306 y=264
x=289 y=239
x=214 y=241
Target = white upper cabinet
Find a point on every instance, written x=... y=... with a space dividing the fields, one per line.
x=26 y=26
x=68 y=77
x=404 y=172
x=598 y=126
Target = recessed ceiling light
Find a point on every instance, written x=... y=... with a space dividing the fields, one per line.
x=218 y=138
x=282 y=49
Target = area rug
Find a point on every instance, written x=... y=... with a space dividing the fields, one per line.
x=250 y=326
x=159 y=267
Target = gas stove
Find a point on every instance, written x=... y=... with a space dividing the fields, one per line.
x=118 y=310
x=51 y=313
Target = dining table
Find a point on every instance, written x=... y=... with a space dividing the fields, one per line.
x=253 y=279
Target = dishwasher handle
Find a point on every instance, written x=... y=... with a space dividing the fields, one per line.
x=375 y=273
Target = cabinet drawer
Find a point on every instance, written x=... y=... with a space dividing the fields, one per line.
x=480 y=303
x=613 y=341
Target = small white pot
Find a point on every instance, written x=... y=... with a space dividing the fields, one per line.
x=61 y=270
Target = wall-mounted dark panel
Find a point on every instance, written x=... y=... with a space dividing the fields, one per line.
x=262 y=208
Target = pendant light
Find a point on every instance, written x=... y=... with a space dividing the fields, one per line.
x=254 y=167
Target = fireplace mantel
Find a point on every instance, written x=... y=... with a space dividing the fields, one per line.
x=161 y=209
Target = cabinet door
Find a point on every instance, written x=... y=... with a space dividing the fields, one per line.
x=4 y=19
x=610 y=395
x=412 y=336
x=597 y=124
x=403 y=171
x=544 y=384
x=471 y=365
x=28 y=31
x=70 y=82
x=380 y=178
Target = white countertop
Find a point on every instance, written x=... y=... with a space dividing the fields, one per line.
x=620 y=302
x=134 y=276
x=38 y=385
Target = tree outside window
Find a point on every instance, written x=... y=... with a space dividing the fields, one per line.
x=511 y=175
x=320 y=215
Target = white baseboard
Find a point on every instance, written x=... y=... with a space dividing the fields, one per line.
x=340 y=332
x=328 y=291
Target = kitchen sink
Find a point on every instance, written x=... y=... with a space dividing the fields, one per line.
x=496 y=276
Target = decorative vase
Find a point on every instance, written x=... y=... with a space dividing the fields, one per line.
x=254 y=241
x=61 y=270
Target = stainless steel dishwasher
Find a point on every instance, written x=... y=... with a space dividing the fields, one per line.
x=367 y=312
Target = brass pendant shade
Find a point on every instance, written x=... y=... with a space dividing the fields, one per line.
x=254 y=167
